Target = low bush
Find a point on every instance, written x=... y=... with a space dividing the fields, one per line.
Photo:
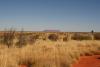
x=53 y=37
x=65 y=39
x=96 y=36
x=81 y=37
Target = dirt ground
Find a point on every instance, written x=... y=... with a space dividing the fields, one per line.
x=88 y=61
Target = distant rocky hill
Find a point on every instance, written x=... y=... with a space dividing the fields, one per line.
x=51 y=30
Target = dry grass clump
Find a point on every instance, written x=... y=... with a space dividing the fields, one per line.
x=88 y=48
x=8 y=58
x=57 y=54
x=47 y=54
x=78 y=36
x=31 y=40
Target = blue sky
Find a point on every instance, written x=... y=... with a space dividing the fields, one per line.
x=37 y=15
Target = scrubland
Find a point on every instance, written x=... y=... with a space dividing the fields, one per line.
x=45 y=49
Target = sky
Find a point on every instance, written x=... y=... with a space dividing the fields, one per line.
x=38 y=15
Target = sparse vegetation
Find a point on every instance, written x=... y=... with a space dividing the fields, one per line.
x=78 y=36
x=37 y=52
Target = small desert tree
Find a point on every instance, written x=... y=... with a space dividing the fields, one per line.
x=21 y=39
x=8 y=37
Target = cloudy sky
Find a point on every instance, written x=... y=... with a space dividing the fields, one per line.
x=38 y=15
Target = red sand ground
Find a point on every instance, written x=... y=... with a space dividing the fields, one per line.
x=23 y=66
x=85 y=61
x=88 y=61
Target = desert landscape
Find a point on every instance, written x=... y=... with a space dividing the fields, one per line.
x=49 y=33
x=49 y=49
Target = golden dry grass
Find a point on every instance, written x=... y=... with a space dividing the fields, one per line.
x=47 y=53
x=40 y=51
